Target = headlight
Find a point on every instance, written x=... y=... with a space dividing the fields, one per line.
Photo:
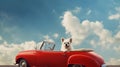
x=104 y=65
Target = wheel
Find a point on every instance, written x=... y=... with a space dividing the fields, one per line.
x=23 y=63
x=77 y=65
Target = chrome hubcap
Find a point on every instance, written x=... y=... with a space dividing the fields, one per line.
x=23 y=63
x=75 y=65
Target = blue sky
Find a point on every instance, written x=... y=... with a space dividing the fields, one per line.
x=91 y=23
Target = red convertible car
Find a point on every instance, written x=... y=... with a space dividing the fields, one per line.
x=47 y=57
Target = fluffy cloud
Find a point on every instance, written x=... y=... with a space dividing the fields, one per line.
x=80 y=30
x=115 y=16
x=117 y=49
x=113 y=61
x=9 y=51
x=89 y=12
x=117 y=37
x=72 y=27
x=76 y=10
x=47 y=38
x=55 y=35
x=117 y=42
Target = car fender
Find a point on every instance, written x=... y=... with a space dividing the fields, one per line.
x=83 y=60
x=28 y=58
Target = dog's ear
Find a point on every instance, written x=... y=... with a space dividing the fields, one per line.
x=70 y=40
x=62 y=39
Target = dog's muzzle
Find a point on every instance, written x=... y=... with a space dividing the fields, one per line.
x=66 y=45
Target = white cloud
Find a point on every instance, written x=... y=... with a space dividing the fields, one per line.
x=117 y=9
x=115 y=16
x=9 y=51
x=89 y=12
x=113 y=61
x=47 y=38
x=72 y=27
x=117 y=49
x=80 y=30
x=117 y=42
x=105 y=37
x=102 y=38
x=76 y=10
x=55 y=35
x=117 y=36
x=11 y=31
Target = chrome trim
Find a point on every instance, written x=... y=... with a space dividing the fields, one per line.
x=103 y=65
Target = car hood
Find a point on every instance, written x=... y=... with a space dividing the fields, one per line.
x=27 y=52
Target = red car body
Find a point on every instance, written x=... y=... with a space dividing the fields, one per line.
x=41 y=58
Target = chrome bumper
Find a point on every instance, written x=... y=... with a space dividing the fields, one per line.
x=104 y=65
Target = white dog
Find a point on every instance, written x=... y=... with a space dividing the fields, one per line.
x=66 y=44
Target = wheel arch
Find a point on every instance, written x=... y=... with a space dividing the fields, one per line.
x=18 y=60
x=82 y=60
x=71 y=65
x=28 y=58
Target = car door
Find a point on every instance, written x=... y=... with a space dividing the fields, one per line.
x=52 y=59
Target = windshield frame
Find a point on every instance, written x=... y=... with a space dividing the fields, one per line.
x=50 y=43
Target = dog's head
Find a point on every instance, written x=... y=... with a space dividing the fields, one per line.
x=66 y=42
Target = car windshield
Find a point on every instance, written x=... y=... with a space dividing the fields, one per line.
x=47 y=46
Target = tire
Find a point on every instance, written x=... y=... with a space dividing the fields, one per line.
x=23 y=63
x=77 y=65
